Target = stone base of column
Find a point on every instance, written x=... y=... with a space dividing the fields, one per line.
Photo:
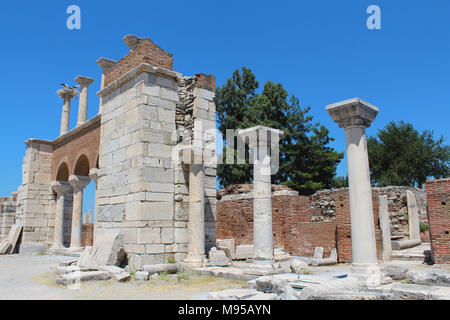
x=368 y=274
x=194 y=261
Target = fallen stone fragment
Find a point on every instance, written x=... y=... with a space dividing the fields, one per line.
x=243 y=252
x=404 y=244
x=141 y=275
x=298 y=266
x=154 y=276
x=68 y=262
x=122 y=277
x=430 y=278
x=159 y=268
x=232 y=294
x=62 y=270
x=73 y=277
x=112 y=269
x=395 y=272
x=218 y=258
x=262 y=296
x=270 y=285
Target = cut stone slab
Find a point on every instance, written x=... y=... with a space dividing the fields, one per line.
x=318 y=253
x=68 y=262
x=243 y=252
x=73 y=277
x=62 y=270
x=218 y=258
x=122 y=277
x=430 y=278
x=4 y=246
x=85 y=257
x=227 y=243
x=9 y=244
x=441 y=294
x=262 y=296
x=411 y=292
x=270 y=285
x=142 y=275
x=159 y=268
x=112 y=269
x=232 y=294
x=107 y=250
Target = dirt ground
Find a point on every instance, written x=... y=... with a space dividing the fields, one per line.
x=30 y=277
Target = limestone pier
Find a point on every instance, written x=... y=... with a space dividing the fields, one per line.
x=60 y=188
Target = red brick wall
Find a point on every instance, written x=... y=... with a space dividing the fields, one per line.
x=292 y=228
x=343 y=232
x=438 y=196
x=145 y=52
x=87 y=234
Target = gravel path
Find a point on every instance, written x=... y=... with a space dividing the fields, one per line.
x=30 y=277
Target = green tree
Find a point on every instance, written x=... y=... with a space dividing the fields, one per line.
x=307 y=162
x=400 y=155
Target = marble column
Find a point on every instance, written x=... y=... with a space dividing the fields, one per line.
x=67 y=95
x=106 y=65
x=78 y=183
x=196 y=225
x=84 y=82
x=259 y=143
x=355 y=115
x=93 y=174
x=413 y=216
x=385 y=226
x=61 y=188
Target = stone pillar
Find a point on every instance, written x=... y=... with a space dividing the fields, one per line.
x=260 y=146
x=61 y=188
x=385 y=226
x=93 y=174
x=78 y=183
x=196 y=225
x=413 y=216
x=84 y=82
x=355 y=115
x=106 y=65
x=67 y=95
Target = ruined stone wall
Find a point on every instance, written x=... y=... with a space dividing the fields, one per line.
x=87 y=234
x=8 y=206
x=438 y=195
x=35 y=199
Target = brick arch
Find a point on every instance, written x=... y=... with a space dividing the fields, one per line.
x=81 y=167
x=63 y=172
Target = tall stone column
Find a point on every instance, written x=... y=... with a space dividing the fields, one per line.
x=385 y=226
x=355 y=115
x=196 y=225
x=61 y=188
x=78 y=183
x=413 y=216
x=67 y=95
x=93 y=174
x=84 y=82
x=260 y=147
x=106 y=65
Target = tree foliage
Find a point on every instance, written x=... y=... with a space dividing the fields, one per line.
x=307 y=162
x=400 y=155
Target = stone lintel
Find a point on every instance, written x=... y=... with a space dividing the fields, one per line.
x=61 y=187
x=40 y=141
x=83 y=80
x=352 y=112
x=79 y=182
x=106 y=63
x=143 y=67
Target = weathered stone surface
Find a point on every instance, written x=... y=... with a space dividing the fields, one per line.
x=405 y=243
x=232 y=294
x=298 y=266
x=112 y=269
x=243 y=252
x=122 y=277
x=8 y=245
x=262 y=296
x=141 y=275
x=395 y=272
x=164 y=267
x=227 y=243
x=430 y=278
x=318 y=252
x=69 y=262
x=270 y=285
x=218 y=258
x=107 y=249
x=84 y=259
x=73 y=277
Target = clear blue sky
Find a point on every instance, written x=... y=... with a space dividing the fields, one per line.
x=321 y=51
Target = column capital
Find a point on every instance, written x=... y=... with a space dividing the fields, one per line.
x=67 y=93
x=61 y=187
x=83 y=80
x=106 y=63
x=93 y=174
x=352 y=112
x=79 y=182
